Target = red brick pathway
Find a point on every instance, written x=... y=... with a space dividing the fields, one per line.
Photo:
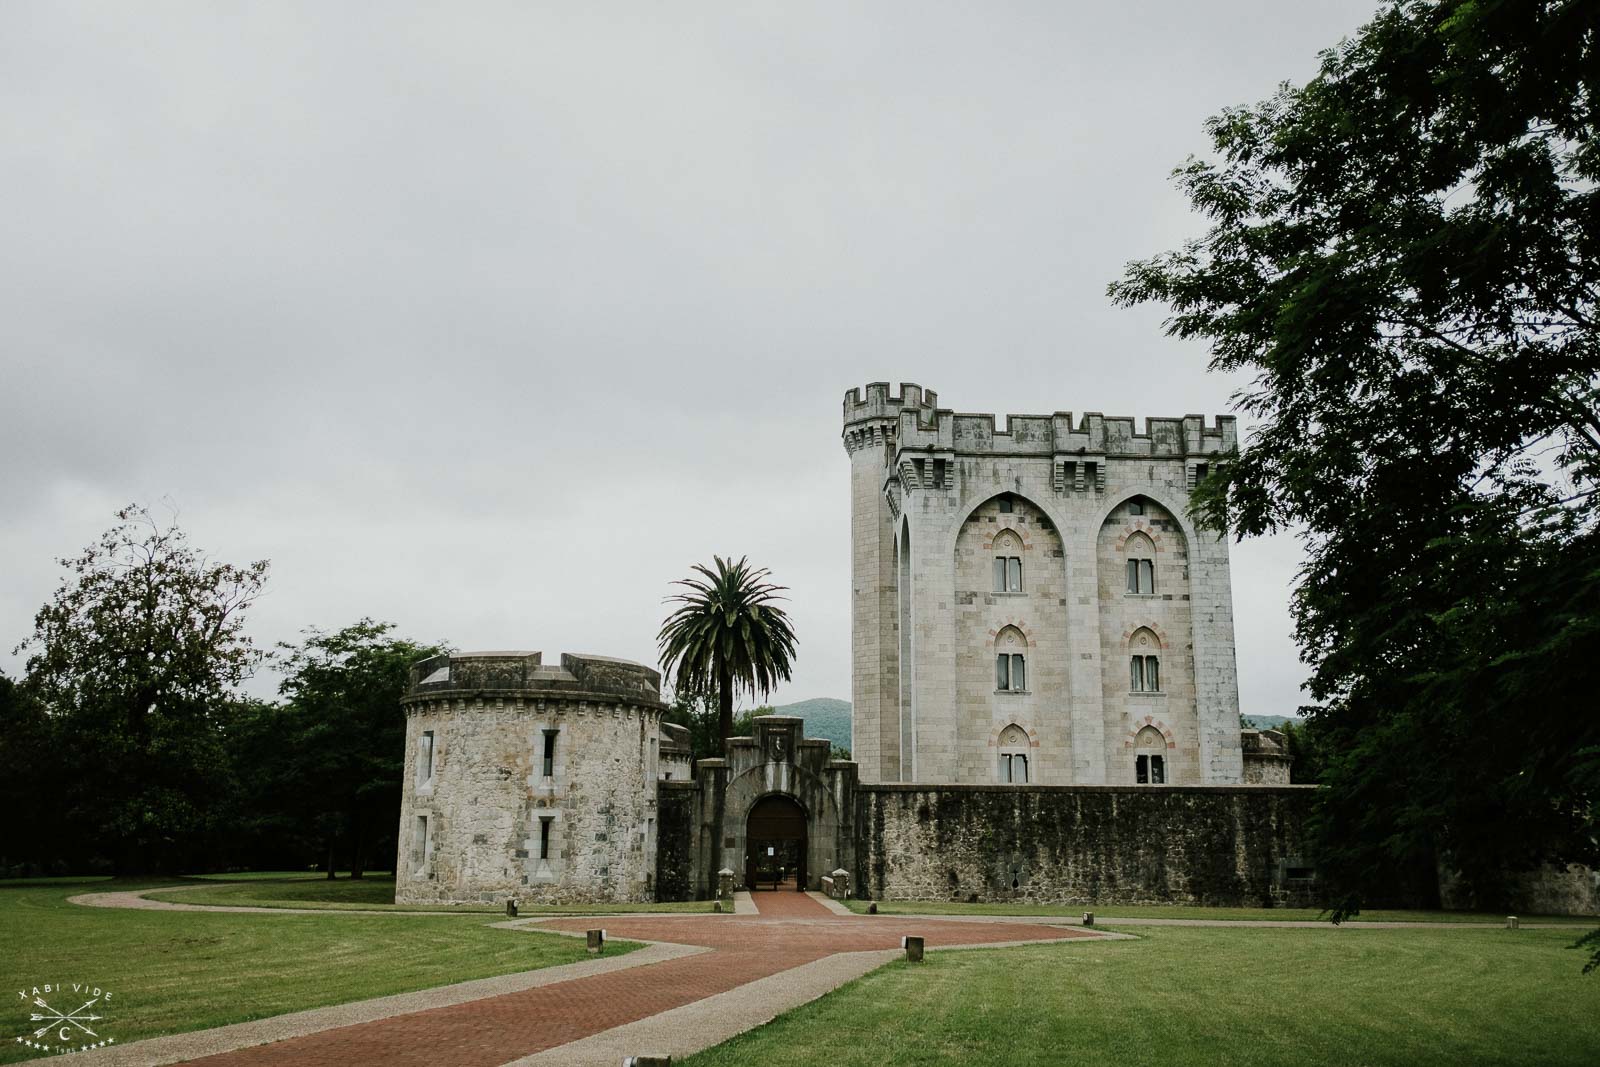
x=791 y=930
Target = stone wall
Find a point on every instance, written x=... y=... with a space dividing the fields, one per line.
x=1238 y=846
x=675 y=812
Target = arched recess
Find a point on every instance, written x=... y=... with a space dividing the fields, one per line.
x=1025 y=623
x=905 y=721
x=1178 y=513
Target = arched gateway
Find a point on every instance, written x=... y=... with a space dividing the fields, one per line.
x=780 y=791
x=775 y=844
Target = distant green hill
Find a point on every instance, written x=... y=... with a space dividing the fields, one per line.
x=824 y=716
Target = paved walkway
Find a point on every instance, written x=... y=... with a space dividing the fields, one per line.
x=757 y=966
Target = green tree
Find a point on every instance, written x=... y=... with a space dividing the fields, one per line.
x=343 y=736
x=35 y=842
x=728 y=635
x=136 y=658
x=699 y=714
x=1402 y=257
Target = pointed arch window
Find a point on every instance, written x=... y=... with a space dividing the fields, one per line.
x=1150 y=758
x=1013 y=768
x=1141 y=564
x=1144 y=662
x=1010 y=661
x=1007 y=562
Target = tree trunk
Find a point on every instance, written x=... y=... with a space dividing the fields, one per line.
x=358 y=844
x=330 y=859
x=724 y=708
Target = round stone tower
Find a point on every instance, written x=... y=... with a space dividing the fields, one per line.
x=529 y=780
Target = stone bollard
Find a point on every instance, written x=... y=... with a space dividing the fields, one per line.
x=872 y=907
x=841 y=884
x=1513 y=923
x=1088 y=918
x=597 y=940
x=647 y=1061
x=725 y=883
x=913 y=947
x=511 y=907
x=717 y=907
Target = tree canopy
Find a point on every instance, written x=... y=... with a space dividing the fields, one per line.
x=729 y=634
x=1401 y=256
x=136 y=658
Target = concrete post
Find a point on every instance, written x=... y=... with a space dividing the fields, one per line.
x=914 y=947
x=511 y=907
x=597 y=940
x=725 y=884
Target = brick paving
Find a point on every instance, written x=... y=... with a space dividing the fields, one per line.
x=790 y=931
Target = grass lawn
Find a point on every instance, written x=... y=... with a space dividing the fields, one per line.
x=1200 y=996
x=287 y=889
x=1106 y=914
x=176 y=971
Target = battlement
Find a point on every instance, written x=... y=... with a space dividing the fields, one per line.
x=1094 y=434
x=880 y=403
x=915 y=422
x=522 y=672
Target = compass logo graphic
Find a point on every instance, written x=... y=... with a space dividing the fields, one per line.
x=65 y=1016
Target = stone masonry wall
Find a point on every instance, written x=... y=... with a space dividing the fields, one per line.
x=676 y=802
x=1086 y=845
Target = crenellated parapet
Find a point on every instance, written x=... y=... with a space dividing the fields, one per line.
x=519 y=676
x=1115 y=437
x=873 y=419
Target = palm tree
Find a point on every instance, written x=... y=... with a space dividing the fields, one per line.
x=728 y=634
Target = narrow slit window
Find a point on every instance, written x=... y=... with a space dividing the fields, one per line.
x=549 y=768
x=425 y=758
x=544 y=837
x=420 y=844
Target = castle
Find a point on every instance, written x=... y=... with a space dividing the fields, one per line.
x=1032 y=604
x=1044 y=693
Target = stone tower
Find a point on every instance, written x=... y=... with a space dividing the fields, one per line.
x=529 y=780
x=1033 y=604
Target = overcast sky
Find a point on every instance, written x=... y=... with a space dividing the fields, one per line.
x=489 y=320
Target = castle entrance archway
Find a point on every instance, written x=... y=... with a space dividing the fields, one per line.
x=775 y=844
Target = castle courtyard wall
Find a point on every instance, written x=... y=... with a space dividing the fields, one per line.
x=1210 y=845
